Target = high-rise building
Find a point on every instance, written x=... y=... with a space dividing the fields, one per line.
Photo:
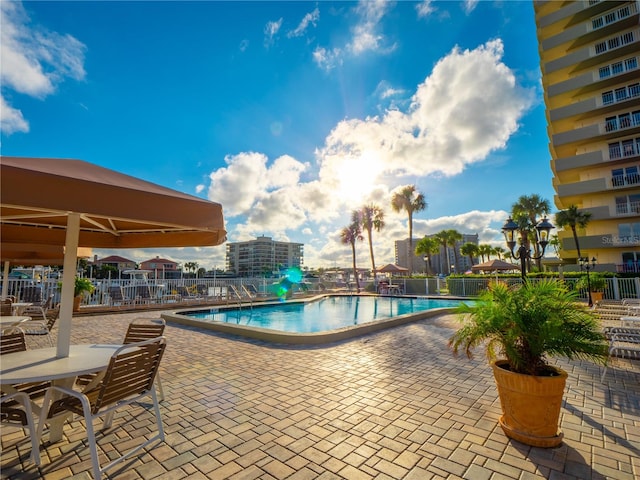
x=589 y=56
x=262 y=256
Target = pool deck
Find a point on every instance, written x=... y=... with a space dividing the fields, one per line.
x=393 y=404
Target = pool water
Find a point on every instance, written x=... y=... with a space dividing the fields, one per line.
x=325 y=314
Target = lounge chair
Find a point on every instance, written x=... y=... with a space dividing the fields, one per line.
x=185 y=294
x=143 y=295
x=117 y=297
x=42 y=327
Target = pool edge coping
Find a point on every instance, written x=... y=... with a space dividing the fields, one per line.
x=313 y=338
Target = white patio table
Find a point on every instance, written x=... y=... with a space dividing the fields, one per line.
x=18 y=307
x=41 y=365
x=11 y=320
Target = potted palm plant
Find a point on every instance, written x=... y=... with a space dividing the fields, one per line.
x=522 y=326
x=81 y=286
x=596 y=282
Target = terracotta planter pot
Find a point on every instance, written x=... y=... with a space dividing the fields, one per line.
x=596 y=296
x=76 y=303
x=530 y=406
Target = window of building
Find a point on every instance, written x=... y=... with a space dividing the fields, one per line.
x=631 y=63
x=631 y=262
x=627 y=38
x=614 y=151
x=607 y=98
x=622 y=208
x=624 y=120
x=597 y=23
x=627 y=148
x=617 y=68
x=621 y=94
x=613 y=43
x=617 y=180
x=636 y=118
x=611 y=124
x=601 y=47
x=604 y=71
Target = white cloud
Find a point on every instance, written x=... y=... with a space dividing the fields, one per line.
x=309 y=19
x=11 y=120
x=34 y=60
x=467 y=108
x=470 y=5
x=425 y=8
x=271 y=29
x=366 y=36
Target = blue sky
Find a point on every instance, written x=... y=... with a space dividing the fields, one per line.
x=289 y=114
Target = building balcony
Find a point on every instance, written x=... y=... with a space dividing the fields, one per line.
x=610 y=129
x=590 y=242
x=629 y=208
x=598 y=27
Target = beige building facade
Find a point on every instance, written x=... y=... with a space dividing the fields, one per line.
x=589 y=59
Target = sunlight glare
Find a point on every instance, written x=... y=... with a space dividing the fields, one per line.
x=357 y=177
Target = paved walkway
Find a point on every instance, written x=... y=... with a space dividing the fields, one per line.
x=391 y=405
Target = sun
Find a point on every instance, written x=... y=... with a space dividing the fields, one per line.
x=357 y=176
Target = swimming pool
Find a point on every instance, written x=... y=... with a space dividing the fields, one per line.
x=320 y=320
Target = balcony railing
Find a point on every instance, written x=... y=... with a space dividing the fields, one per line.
x=621 y=123
x=624 y=180
x=628 y=208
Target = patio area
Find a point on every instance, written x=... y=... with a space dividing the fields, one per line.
x=390 y=405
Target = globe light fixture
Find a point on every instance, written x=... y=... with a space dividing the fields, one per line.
x=512 y=236
x=588 y=265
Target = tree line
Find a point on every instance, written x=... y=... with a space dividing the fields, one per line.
x=526 y=212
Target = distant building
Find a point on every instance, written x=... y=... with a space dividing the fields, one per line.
x=262 y=256
x=160 y=267
x=115 y=261
x=590 y=64
x=451 y=261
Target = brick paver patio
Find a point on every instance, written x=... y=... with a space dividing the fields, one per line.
x=390 y=405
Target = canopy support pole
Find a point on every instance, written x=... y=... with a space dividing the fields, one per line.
x=5 y=280
x=68 y=284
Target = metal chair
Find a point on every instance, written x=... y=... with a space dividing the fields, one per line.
x=128 y=379
x=145 y=329
x=37 y=327
x=15 y=406
x=6 y=307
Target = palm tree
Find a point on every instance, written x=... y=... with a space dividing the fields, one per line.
x=372 y=219
x=454 y=237
x=485 y=249
x=470 y=250
x=446 y=238
x=574 y=219
x=531 y=206
x=500 y=252
x=191 y=266
x=407 y=198
x=427 y=246
x=351 y=234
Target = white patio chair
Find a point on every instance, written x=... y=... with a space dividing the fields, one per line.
x=128 y=379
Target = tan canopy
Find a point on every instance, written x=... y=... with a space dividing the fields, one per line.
x=72 y=203
x=116 y=210
x=493 y=265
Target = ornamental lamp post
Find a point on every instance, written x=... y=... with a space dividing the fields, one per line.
x=511 y=235
x=584 y=263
